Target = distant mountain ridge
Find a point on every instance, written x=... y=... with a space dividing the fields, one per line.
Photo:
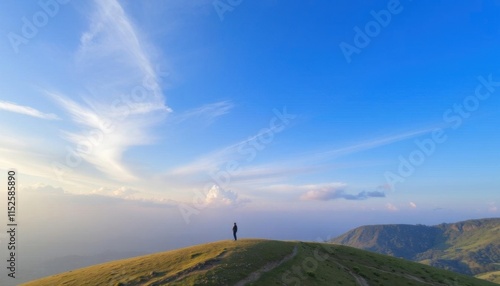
x=470 y=247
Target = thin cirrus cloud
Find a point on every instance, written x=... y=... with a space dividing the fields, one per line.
x=215 y=162
x=317 y=162
x=113 y=39
x=241 y=153
x=208 y=112
x=214 y=159
x=374 y=143
x=123 y=98
x=26 y=110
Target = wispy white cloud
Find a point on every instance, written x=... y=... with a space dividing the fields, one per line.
x=232 y=166
x=123 y=98
x=413 y=205
x=319 y=161
x=102 y=141
x=241 y=154
x=374 y=143
x=206 y=113
x=113 y=44
x=114 y=54
x=26 y=110
x=203 y=165
x=215 y=161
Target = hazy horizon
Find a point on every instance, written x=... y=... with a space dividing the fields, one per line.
x=147 y=126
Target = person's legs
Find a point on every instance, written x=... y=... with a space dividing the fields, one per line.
x=234 y=234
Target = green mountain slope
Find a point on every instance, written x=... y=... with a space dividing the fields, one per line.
x=261 y=262
x=470 y=247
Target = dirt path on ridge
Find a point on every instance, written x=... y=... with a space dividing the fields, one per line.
x=359 y=280
x=254 y=276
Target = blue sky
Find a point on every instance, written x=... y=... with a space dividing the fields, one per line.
x=230 y=111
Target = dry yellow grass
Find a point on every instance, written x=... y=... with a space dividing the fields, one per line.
x=493 y=276
x=189 y=264
x=266 y=262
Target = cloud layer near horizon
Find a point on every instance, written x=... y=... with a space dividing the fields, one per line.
x=332 y=192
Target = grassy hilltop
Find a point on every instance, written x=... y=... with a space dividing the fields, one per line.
x=261 y=262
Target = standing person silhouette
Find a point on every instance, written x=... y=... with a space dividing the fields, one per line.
x=235 y=230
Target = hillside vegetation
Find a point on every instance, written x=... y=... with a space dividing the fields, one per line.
x=261 y=262
x=470 y=247
x=493 y=276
